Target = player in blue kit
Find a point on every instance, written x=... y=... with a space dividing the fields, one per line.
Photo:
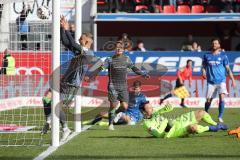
x=214 y=68
x=132 y=115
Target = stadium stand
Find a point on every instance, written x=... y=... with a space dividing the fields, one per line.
x=212 y=9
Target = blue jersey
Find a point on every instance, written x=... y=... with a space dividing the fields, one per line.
x=135 y=101
x=215 y=66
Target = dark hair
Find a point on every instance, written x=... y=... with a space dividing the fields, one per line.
x=119 y=43
x=216 y=39
x=141 y=107
x=189 y=60
x=137 y=83
x=139 y=41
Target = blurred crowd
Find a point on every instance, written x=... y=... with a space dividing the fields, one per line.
x=189 y=44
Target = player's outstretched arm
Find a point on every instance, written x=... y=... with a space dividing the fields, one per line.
x=231 y=76
x=204 y=64
x=69 y=40
x=73 y=44
x=96 y=69
x=135 y=69
x=64 y=38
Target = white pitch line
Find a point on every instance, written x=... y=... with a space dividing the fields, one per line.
x=52 y=149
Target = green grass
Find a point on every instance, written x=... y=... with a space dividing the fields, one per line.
x=132 y=142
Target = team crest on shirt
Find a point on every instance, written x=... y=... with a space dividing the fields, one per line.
x=219 y=58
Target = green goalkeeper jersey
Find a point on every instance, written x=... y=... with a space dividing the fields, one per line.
x=157 y=124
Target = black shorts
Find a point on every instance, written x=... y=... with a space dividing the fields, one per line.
x=178 y=84
x=67 y=92
x=115 y=95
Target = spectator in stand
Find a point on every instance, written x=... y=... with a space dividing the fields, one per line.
x=126 y=40
x=225 y=33
x=196 y=47
x=237 y=29
x=183 y=2
x=112 y=8
x=236 y=6
x=140 y=46
x=187 y=45
x=153 y=3
x=23 y=27
x=227 y=6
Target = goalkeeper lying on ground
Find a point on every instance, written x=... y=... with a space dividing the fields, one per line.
x=159 y=126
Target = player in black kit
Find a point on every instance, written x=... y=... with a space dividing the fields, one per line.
x=117 y=66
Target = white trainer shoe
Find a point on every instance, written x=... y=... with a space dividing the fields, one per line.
x=220 y=120
x=117 y=117
x=66 y=133
x=111 y=127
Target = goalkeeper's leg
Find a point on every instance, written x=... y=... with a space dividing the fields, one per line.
x=63 y=122
x=47 y=124
x=202 y=115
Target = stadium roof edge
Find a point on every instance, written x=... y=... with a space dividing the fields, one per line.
x=148 y=17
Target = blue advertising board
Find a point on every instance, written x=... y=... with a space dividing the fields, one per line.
x=173 y=60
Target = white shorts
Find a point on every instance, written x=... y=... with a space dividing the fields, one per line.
x=214 y=89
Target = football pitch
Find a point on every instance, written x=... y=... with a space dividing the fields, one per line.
x=132 y=142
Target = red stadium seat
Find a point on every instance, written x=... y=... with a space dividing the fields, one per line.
x=140 y=7
x=183 y=9
x=197 y=9
x=101 y=2
x=212 y=9
x=169 y=9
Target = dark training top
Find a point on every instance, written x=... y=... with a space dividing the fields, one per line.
x=78 y=65
x=117 y=70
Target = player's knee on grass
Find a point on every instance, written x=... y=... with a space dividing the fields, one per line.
x=192 y=129
x=103 y=114
x=124 y=105
x=126 y=118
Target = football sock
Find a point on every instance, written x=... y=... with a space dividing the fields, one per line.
x=167 y=96
x=207 y=106
x=111 y=115
x=221 y=109
x=97 y=119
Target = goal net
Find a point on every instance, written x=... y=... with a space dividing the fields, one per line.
x=25 y=37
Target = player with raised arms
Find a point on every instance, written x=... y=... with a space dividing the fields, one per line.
x=78 y=65
x=117 y=66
